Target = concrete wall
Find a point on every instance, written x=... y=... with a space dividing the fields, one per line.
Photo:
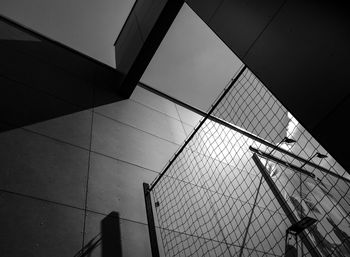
x=60 y=178
x=74 y=154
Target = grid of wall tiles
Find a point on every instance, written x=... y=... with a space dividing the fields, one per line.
x=60 y=178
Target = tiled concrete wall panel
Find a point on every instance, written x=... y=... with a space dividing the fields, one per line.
x=60 y=178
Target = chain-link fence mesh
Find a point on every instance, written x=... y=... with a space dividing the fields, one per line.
x=213 y=199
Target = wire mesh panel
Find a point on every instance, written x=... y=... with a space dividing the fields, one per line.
x=251 y=106
x=308 y=196
x=213 y=200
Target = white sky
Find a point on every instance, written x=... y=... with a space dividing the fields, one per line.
x=192 y=64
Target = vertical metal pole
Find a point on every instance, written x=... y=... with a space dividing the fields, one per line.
x=288 y=211
x=301 y=209
x=150 y=221
x=296 y=243
x=286 y=243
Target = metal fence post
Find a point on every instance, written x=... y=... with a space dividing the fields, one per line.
x=150 y=221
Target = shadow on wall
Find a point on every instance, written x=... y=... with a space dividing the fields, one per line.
x=41 y=79
x=109 y=238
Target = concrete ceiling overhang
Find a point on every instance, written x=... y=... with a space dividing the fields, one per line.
x=298 y=49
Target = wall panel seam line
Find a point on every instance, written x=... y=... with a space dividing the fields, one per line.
x=213 y=240
x=225 y=195
x=201 y=237
x=40 y=199
x=136 y=128
x=28 y=130
x=87 y=149
x=264 y=29
x=153 y=109
x=64 y=205
x=124 y=161
x=87 y=180
x=84 y=149
x=182 y=124
x=215 y=11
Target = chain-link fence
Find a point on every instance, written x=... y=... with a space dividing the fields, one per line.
x=248 y=173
